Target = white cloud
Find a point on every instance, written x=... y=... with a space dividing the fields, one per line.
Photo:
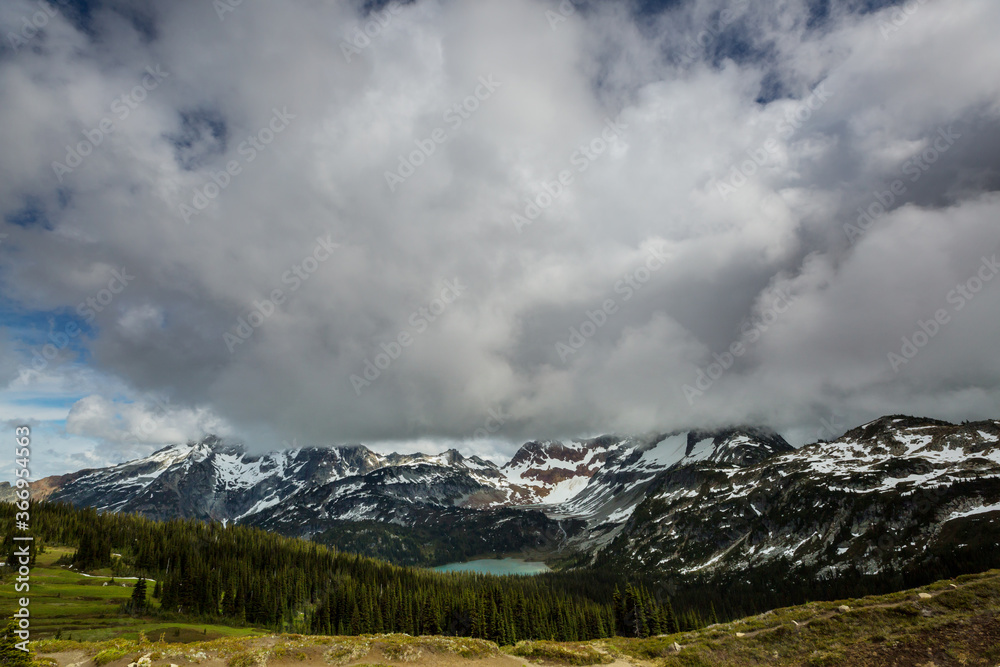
x=151 y=421
x=324 y=174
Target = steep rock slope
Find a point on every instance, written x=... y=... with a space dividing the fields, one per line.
x=895 y=493
x=553 y=472
x=614 y=492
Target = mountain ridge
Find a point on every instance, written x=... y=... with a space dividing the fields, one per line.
x=884 y=496
x=694 y=502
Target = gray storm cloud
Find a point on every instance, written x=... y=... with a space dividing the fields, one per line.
x=389 y=227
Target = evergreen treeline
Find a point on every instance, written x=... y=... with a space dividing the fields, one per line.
x=246 y=575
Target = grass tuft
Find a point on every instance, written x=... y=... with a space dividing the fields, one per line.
x=566 y=653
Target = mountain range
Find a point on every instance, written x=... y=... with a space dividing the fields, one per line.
x=897 y=493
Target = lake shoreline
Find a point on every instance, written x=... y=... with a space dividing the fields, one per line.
x=496 y=566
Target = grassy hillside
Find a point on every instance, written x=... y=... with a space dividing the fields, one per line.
x=952 y=622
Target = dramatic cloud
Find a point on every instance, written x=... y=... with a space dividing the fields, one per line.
x=484 y=222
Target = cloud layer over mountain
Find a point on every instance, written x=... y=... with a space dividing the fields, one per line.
x=506 y=219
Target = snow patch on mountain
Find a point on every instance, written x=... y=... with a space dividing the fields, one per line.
x=983 y=509
x=824 y=502
x=553 y=472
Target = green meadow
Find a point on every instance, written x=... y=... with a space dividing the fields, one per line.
x=87 y=607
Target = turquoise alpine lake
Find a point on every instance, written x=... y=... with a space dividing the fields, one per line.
x=498 y=566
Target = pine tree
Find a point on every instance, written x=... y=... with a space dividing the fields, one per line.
x=356 y=621
x=670 y=620
x=10 y=655
x=429 y=619
x=138 y=601
x=619 y=609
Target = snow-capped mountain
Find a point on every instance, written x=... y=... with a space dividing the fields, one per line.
x=896 y=493
x=553 y=472
x=213 y=480
x=889 y=494
x=303 y=492
x=613 y=493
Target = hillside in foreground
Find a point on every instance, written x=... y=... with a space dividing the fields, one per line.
x=951 y=622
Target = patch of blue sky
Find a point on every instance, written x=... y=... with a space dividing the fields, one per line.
x=61 y=402
x=31 y=214
x=33 y=329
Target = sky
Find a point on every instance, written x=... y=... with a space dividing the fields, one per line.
x=471 y=224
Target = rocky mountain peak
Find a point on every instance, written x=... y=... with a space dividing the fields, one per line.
x=452 y=456
x=553 y=471
x=535 y=452
x=901 y=435
x=891 y=424
x=742 y=445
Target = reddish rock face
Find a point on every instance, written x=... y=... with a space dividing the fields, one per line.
x=43 y=488
x=540 y=453
x=538 y=467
